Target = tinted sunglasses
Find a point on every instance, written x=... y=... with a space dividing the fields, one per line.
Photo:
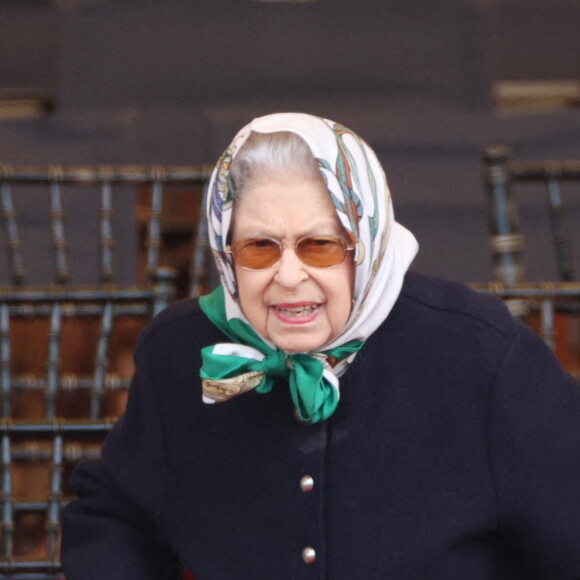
x=262 y=253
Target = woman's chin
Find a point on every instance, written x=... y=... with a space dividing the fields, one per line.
x=300 y=342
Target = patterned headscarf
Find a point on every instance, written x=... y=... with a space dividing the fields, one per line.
x=383 y=252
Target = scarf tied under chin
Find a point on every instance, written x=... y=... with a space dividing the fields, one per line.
x=231 y=369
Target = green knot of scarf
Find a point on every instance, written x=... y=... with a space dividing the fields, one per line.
x=275 y=365
x=230 y=369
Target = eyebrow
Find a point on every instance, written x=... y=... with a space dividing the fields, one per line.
x=323 y=228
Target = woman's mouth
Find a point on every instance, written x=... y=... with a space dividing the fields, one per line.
x=297 y=313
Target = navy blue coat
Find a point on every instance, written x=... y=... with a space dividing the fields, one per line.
x=454 y=453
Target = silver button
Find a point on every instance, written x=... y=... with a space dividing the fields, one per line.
x=307 y=483
x=309 y=555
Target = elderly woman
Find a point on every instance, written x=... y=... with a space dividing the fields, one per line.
x=324 y=413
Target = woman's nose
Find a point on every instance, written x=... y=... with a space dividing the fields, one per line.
x=290 y=271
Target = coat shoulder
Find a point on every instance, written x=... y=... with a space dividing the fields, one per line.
x=435 y=295
x=183 y=320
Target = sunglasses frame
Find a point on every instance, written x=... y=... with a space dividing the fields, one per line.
x=229 y=249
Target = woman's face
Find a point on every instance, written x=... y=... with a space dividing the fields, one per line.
x=297 y=307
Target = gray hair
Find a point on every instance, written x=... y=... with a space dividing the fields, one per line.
x=266 y=156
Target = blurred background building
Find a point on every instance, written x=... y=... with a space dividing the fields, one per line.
x=427 y=84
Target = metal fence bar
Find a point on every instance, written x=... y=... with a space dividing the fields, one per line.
x=53 y=362
x=163 y=289
x=54 y=499
x=547 y=322
x=50 y=428
x=560 y=231
x=96 y=294
x=101 y=361
x=31 y=570
x=198 y=270
x=564 y=170
x=12 y=235
x=72 y=453
x=90 y=175
x=107 y=238
x=153 y=239
x=559 y=290
x=57 y=228
x=112 y=382
x=5 y=371
x=506 y=240
x=7 y=500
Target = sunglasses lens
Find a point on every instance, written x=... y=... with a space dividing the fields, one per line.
x=262 y=253
x=321 y=251
x=256 y=253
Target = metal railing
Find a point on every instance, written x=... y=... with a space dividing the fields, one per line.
x=52 y=416
x=551 y=308
x=501 y=173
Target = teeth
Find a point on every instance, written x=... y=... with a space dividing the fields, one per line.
x=298 y=310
